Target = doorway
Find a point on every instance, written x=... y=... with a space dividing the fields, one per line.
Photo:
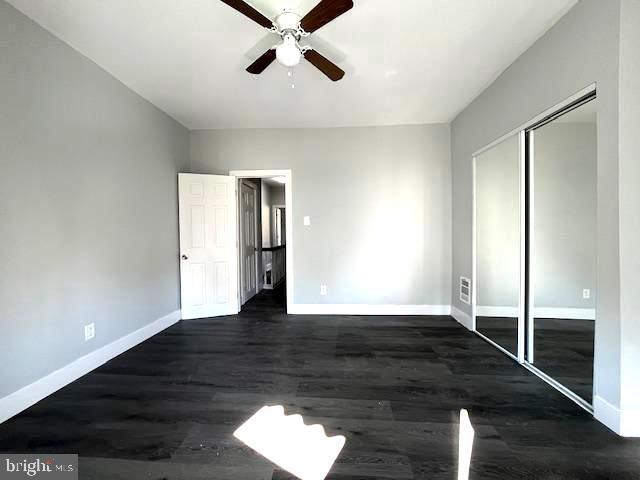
x=265 y=236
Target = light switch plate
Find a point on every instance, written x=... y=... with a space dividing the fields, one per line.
x=586 y=293
x=323 y=290
x=306 y=221
x=89 y=331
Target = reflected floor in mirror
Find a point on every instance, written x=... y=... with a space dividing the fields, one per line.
x=392 y=386
x=564 y=351
x=501 y=330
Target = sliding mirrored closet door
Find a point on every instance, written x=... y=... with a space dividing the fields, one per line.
x=535 y=245
x=498 y=243
x=562 y=189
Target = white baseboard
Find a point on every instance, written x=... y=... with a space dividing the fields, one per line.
x=366 y=309
x=624 y=423
x=22 y=399
x=492 y=311
x=565 y=313
x=606 y=413
x=462 y=318
x=540 y=312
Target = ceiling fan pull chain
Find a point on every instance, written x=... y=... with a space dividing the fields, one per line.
x=292 y=78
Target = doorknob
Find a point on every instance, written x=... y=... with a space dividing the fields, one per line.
x=184 y=257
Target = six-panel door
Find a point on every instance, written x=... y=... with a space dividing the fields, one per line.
x=208 y=245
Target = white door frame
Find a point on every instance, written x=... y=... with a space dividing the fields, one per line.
x=287 y=174
x=241 y=242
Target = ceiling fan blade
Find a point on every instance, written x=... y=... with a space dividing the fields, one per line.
x=326 y=66
x=325 y=12
x=317 y=43
x=248 y=11
x=261 y=64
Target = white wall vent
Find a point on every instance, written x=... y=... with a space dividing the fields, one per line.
x=465 y=290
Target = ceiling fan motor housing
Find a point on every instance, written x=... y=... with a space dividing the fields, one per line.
x=288 y=21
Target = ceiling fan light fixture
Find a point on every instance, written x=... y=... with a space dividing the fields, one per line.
x=288 y=52
x=291 y=28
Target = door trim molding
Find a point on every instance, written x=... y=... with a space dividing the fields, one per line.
x=27 y=396
x=288 y=190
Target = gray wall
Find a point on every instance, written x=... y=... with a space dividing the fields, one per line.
x=278 y=195
x=582 y=48
x=379 y=201
x=629 y=204
x=88 y=205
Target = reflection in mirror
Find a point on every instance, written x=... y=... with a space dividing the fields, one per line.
x=279 y=226
x=563 y=252
x=498 y=243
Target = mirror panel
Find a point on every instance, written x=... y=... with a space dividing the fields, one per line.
x=563 y=236
x=497 y=216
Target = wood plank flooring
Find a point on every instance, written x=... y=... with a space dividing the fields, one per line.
x=392 y=385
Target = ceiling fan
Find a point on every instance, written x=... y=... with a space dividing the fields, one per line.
x=291 y=27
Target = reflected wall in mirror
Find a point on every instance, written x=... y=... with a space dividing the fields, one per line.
x=497 y=216
x=279 y=227
x=563 y=189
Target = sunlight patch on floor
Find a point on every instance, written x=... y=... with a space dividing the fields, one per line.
x=303 y=450
x=465 y=447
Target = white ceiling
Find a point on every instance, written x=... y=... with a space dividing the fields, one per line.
x=407 y=61
x=272 y=182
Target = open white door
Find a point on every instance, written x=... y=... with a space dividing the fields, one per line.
x=248 y=241
x=208 y=245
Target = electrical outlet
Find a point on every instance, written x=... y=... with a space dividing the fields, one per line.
x=323 y=290
x=306 y=221
x=586 y=293
x=89 y=331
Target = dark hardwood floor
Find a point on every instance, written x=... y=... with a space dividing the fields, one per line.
x=392 y=385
